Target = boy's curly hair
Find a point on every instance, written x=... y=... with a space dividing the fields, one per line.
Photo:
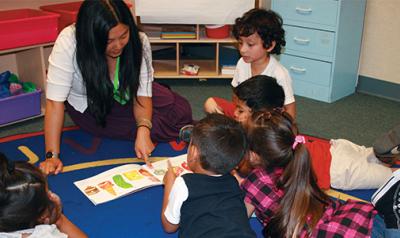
x=268 y=25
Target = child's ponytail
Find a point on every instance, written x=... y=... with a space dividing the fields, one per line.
x=280 y=146
x=303 y=202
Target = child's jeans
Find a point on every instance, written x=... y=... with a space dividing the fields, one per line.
x=379 y=229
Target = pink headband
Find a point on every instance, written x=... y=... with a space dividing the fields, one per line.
x=299 y=139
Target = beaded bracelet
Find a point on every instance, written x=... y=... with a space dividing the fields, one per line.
x=143 y=122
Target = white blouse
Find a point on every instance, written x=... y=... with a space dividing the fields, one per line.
x=64 y=79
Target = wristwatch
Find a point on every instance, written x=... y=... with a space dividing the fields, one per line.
x=50 y=155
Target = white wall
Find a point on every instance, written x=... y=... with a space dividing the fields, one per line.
x=380 y=53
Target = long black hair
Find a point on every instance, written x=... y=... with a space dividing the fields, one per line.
x=272 y=136
x=23 y=195
x=95 y=20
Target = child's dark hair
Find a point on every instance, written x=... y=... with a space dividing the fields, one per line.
x=261 y=92
x=23 y=195
x=268 y=25
x=272 y=136
x=390 y=160
x=221 y=142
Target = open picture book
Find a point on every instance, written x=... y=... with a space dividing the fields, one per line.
x=129 y=178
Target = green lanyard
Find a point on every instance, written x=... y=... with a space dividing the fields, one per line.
x=117 y=95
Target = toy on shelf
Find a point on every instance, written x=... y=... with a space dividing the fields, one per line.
x=10 y=85
x=190 y=69
x=18 y=100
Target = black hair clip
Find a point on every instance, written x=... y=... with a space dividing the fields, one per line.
x=10 y=166
x=278 y=109
x=185 y=133
x=265 y=115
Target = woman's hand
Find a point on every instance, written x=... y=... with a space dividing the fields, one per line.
x=51 y=166
x=143 y=144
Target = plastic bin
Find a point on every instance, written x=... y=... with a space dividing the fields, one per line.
x=68 y=12
x=19 y=107
x=217 y=31
x=24 y=27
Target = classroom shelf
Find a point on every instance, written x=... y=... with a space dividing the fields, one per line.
x=210 y=67
x=30 y=64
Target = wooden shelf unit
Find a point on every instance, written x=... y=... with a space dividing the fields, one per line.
x=170 y=68
x=30 y=64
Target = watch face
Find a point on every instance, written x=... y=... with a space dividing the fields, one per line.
x=50 y=155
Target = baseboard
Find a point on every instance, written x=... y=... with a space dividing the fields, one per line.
x=379 y=88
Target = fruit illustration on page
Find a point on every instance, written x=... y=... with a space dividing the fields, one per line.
x=133 y=175
x=149 y=175
x=108 y=186
x=120 y=182
x=159 y=171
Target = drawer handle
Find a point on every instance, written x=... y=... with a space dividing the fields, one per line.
x=301 y=10
x=301 y=41
x=298 y=70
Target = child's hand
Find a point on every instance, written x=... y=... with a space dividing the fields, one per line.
x=56 y=211
x=170 y=175
x=239 y=178
x=244 y=167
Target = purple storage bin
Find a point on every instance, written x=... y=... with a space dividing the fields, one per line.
x=19 y=107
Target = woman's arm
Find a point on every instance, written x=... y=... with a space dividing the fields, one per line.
x=143 y=109
x=53 y=123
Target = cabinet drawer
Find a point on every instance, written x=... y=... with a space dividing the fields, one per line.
x=309 y=13
x=312 y=71
x=309 y=43
x=310 y=90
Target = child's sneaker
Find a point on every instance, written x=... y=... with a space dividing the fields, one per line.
x=387 y=201
x=388 y=144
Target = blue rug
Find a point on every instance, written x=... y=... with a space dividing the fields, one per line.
x=135 y=215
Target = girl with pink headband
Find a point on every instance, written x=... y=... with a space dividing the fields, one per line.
x=283 y=192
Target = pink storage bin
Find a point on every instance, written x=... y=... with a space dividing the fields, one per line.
x=68 y=12
x=18 y=107
x=24 y=27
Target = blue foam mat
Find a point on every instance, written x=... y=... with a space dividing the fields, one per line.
x=135 y=215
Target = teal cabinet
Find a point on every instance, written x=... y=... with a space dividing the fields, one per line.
x=323 y=43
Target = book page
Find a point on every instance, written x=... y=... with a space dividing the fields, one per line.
x=129 y=178
x=160 y=167
x=117 y=182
